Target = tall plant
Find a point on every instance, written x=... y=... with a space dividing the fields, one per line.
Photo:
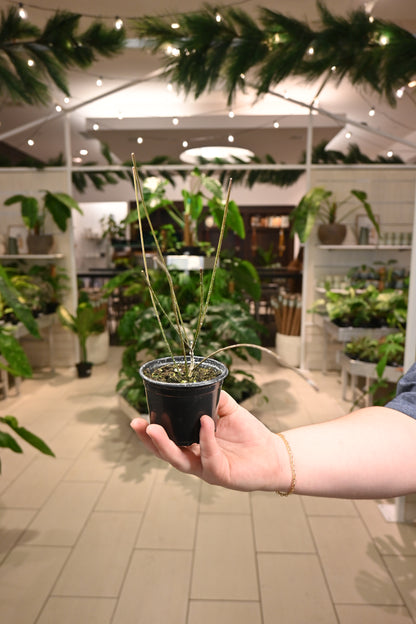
x=16 y=363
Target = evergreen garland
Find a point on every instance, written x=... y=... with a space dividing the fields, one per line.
x=217 y=54
x=53 y=50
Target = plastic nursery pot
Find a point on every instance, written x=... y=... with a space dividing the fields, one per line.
x=84 y=369
x=178 y=407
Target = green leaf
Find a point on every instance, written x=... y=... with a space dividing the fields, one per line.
x=11 y=350
x=27 y=435
x=12 y=297
x=7 y=441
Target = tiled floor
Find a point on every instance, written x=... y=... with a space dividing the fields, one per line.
x=105 y=533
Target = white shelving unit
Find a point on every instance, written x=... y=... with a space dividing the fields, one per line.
x=56 y=256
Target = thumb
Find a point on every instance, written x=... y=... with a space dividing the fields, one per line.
x=207 y=440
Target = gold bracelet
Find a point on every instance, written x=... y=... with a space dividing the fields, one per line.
x=292 y=467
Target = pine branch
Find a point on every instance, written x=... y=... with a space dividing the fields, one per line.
x=216 y=55
x=55 y=49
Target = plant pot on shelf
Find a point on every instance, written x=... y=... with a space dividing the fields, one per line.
x=177 y=406
x=332 y=233
x=39 y=243
x=84 y=369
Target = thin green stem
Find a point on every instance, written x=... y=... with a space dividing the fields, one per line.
x=180 y=325
x=216 y=263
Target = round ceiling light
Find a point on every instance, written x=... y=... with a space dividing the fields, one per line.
x=213 y=153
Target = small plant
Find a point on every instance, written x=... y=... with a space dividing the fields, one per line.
x=15 y=362
x=318 y=204
x=87 y=320
x=367 y=308
x=58 y=205
x=187 y=336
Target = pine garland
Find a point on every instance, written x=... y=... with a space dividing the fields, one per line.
x=53 y=50
x=211 y=54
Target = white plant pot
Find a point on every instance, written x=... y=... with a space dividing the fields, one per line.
x=98 y=346
x=288 y=348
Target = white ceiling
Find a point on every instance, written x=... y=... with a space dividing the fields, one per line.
x=147 y=108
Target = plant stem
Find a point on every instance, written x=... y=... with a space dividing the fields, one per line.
x=180 y=325
x=214 y=270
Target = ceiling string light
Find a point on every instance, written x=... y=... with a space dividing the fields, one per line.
x=22 y=11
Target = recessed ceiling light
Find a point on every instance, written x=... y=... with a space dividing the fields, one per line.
x=30 y=142
x=175 y=121
x=230 y=138
x=211 y=153
x=83 y=152
x=139 y=140
x=95 y=127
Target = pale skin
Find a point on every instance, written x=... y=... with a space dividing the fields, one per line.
x=369 y=453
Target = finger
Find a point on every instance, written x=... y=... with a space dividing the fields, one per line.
x=213 y=462
x=184 y=459
x=139 y=426
x=226 y=405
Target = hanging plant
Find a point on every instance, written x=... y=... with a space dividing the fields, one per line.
x=218 y=54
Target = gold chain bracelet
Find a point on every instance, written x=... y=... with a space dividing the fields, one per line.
x=292 y=467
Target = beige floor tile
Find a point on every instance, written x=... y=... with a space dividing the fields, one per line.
x=130 y=484
x=280 y=524
x=77 y=610
x=13 y=523
x=317 y=506
x=99 y=560
x=98 y=459
x=170 y=518
x=63 y=516
x=33 y=486
x=355 y=614
x=220 y=500
x=354 y=569
x=293 y=590
x=403 y=570
x=155 y=589
x=390 y=538
x=26 y=578
x=71 y=440
x=223 y=612
x=224 y=563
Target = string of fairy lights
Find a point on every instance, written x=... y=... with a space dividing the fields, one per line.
x=101 y=81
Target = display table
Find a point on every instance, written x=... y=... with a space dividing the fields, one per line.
x=352 y=369
x=343 y=335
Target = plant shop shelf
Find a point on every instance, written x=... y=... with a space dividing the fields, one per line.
x=56 y=256
x=346 y=334
x=358 y=368
x=366 y=247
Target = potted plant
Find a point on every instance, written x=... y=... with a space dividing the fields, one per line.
x=14 y=361
x=87 y=320
x=205 y=198
x=34 y=211
x=180 y=388
x=319 y=204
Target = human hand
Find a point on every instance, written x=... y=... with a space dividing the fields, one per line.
x=242 y=454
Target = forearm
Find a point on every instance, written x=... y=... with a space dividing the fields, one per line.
x=370 y=453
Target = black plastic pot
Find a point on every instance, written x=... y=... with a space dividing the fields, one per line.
x=178 y=407
x=84 y=369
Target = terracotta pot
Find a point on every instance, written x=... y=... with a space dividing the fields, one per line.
x=39 y=243
x=332 y=233
x=178 y=407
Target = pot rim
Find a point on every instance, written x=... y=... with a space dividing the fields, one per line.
x=222 y=372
